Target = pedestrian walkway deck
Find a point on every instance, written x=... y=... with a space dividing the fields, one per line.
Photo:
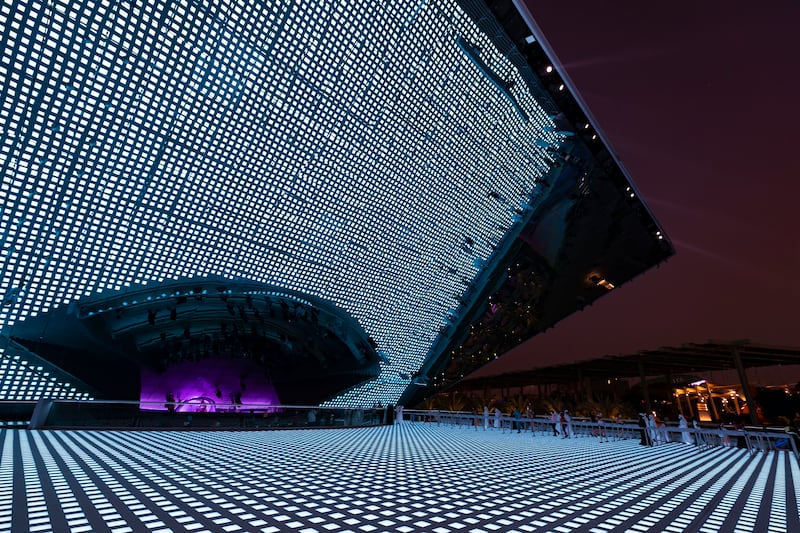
x=410 y=477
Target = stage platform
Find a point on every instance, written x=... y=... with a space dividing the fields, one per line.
x=408 y=477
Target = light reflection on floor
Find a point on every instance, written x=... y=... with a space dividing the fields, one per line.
x=414 y=477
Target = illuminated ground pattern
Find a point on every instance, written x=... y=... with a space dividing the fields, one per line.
x=406 y=478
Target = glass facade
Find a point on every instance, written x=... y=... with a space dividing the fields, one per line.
x=351 y=151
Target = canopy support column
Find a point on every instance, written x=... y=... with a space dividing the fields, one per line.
x=645 y=393
x=751 y=404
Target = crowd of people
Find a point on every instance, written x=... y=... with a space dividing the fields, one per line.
x=651 y=429
x=560 y=422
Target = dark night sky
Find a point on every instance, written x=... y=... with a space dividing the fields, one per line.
x=699 y=100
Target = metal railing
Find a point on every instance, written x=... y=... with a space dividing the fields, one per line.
x=103 y=414
x=754 y=439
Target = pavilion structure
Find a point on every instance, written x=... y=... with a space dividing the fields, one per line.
x=356 y=205
x=699 y=398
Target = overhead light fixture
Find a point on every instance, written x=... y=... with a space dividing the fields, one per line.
x=605 y=284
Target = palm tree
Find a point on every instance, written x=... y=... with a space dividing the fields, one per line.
x=519 y=402
x=455 y=401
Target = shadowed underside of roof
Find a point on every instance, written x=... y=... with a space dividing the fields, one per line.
x=683 y=359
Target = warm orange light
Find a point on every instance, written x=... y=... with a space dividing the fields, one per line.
x=605 y=283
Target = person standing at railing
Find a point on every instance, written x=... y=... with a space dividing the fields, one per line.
x=620 y=427
x=170 y=405
x=661 y=428
x=555 y=419
x=485 y=417
x=498 y=417
x=698 y=436
x=569 y=431
x=686 y=436
x=645 y=438
x=723 y=436
x=601 y=428
x=651 y=427
x=518 y=419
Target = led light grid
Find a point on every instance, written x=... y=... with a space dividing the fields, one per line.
x=350 y=151
x=412 y=477
x=22 y=380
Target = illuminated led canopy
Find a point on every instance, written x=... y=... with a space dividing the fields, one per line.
x=356 y=154
x=25 y=377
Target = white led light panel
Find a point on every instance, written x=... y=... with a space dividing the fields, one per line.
x=21 y=381
x=404 y=478
x=350 y=151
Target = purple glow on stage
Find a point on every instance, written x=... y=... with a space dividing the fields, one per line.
x=207 y=385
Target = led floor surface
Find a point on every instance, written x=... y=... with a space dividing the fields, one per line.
x=413 y=477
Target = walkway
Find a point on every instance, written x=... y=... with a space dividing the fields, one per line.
x=412 y=477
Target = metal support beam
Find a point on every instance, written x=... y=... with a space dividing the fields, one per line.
x=751 y=403
x=646 y=393
x=714 y=413
x=588 y=388
x=671 y=384
x=736 y=405
x=691 y=409
x=679 y=402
